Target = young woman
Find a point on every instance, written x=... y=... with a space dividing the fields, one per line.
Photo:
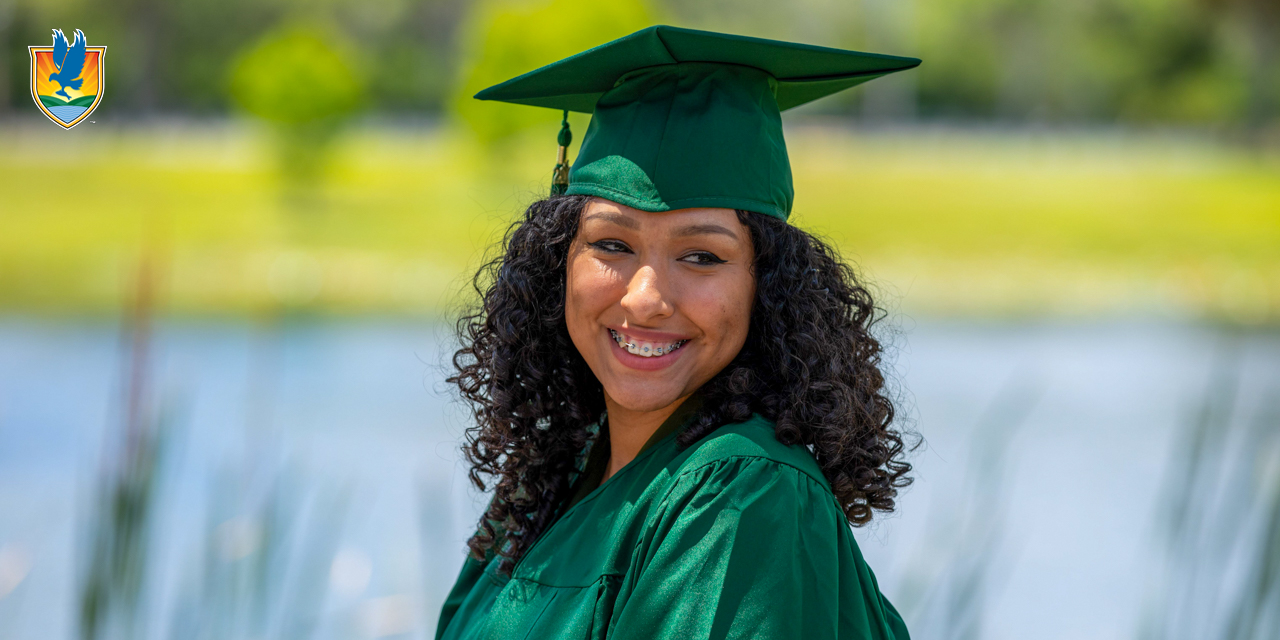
x=677 y=396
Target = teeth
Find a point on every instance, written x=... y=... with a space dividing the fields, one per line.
x=643 y=348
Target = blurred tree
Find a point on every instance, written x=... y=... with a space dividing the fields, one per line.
x=306 y=88
x=1181 y=61
x=1096 y=60
x=505 y=38
x=1260 y=22
x=7 y=10
x=196 y=42
x=172 y=57
x=415 y=45
x=1172 y=64
x=1018 y=60
x=178 y=65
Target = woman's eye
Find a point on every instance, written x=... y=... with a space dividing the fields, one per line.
x=703 y=257
x=611 y=246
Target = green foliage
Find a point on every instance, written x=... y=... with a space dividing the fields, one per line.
x=1096 y=60
x=1201 y=62
x=1167 y=61
x=505 y=38
x=298 y=81
x=295 y=76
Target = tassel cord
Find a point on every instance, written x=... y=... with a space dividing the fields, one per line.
x=560 y=176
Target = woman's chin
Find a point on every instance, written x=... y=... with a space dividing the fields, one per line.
x=643 y=398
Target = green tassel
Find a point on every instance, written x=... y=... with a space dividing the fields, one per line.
x=560 y=177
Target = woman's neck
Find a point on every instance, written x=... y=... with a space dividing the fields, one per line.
x=630 y=430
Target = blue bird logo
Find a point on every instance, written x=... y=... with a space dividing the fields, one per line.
x=69 y=60
x=67 y=78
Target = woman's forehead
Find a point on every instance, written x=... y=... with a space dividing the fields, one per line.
x=599 y=210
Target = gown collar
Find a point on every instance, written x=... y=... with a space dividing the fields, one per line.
x=598 y=458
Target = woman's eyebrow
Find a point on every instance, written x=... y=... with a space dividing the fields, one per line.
x=700 y=229
x=615 y=218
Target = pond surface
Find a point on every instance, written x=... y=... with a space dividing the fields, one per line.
x=1035 y=513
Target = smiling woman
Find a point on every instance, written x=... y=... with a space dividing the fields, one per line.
x=676 y=393
x=656 y=304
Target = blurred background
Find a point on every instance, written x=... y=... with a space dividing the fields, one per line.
x=226 y=301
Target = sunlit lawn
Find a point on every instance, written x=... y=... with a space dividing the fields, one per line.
x=944 y=222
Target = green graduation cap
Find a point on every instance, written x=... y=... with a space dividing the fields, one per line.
x=684 y=118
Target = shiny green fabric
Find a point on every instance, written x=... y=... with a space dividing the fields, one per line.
x=686 y=118
x=709 y=134
x=737 y=536
x=598 y=457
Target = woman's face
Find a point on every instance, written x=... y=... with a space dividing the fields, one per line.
x=657 y=303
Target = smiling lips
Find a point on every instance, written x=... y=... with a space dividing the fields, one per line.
x=645 y=348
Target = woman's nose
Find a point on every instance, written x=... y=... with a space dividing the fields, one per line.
x=646 y=298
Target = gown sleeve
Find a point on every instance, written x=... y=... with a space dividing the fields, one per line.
x=471 y=571
x=750 y=548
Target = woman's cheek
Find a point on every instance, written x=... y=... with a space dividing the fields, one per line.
x=603 y=281
x=735 y=313
x=578 y=303
x=591 y=290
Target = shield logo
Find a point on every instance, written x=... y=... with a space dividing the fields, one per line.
x=67 y=79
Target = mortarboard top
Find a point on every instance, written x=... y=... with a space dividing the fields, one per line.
x=685 y=118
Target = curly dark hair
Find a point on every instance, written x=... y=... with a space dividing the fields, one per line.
x=810 y=364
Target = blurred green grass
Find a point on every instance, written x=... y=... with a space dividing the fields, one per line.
x=944 y=222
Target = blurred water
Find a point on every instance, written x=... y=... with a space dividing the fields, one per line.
x=1037 y=485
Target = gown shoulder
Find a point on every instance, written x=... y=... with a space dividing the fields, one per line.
x=749 y=541
x=753 y=440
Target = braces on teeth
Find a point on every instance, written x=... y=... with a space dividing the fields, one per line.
x=645 y=351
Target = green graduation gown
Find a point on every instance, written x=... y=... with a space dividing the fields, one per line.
x=737 y=536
